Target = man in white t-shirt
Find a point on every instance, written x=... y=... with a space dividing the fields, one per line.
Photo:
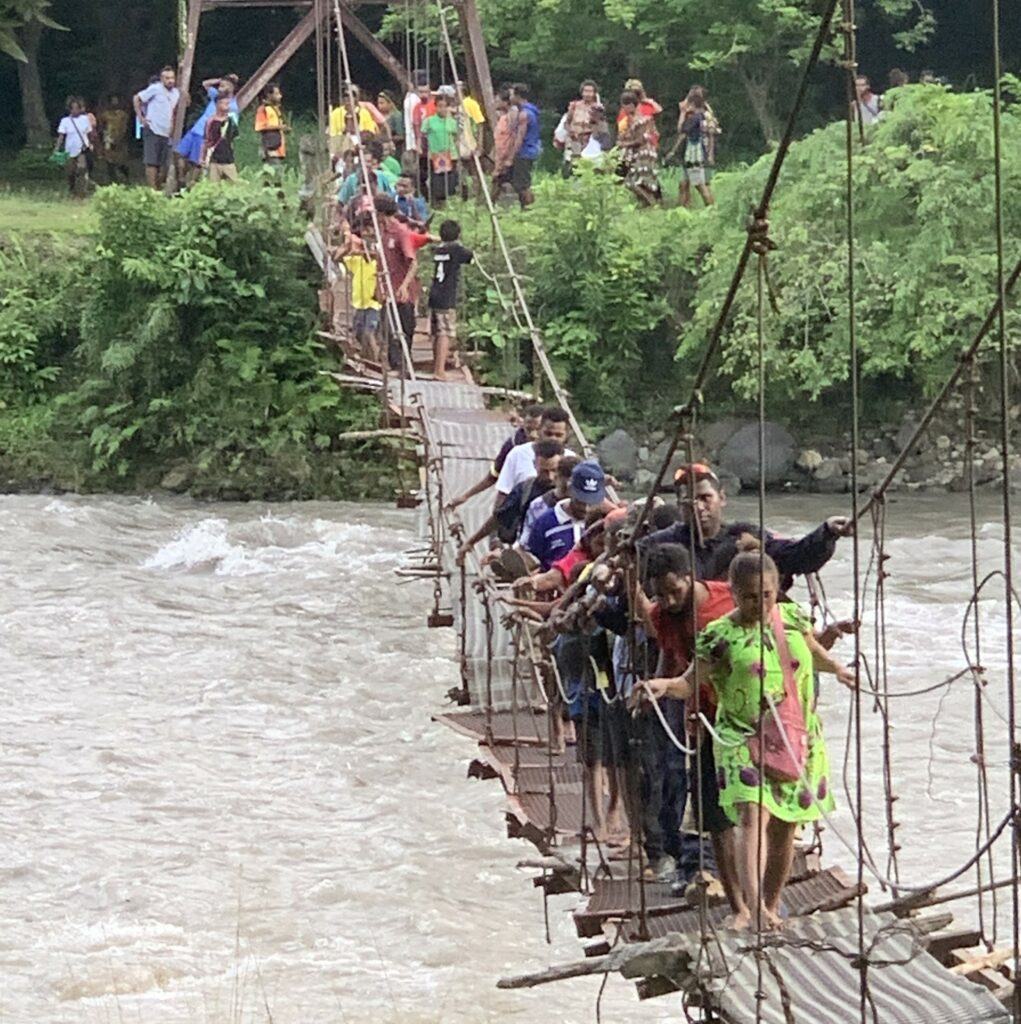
x=73 y=139
x=520 y=463
x=155 y=106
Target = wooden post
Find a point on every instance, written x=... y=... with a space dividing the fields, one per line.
x=291 y=44
x=362 y=33
x=191 y=35
x=480 y=79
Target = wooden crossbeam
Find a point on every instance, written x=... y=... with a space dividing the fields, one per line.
x=364 y=35
x=271 y=66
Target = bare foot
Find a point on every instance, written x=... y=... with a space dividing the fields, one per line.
x=740 y=922
x=772 y=921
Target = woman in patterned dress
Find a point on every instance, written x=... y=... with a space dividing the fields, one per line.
x=742 y=661
x=637 y=141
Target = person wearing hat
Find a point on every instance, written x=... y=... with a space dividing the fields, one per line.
x=715 y=540
x=557 y=531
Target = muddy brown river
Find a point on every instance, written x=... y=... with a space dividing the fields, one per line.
x=224 y=800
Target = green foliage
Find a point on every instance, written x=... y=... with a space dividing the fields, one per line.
x=627 y=297
x=924 y=250
x=15 y=14
x=198 y=335
x=603 y=279
x=39 y=308
x=181 y=333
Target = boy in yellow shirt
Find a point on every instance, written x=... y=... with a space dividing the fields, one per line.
x=360 y=262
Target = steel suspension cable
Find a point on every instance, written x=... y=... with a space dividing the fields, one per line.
x=1005 y=442
x=757 y=229
x=850 y=65
x=978 y=673
x=537 y=343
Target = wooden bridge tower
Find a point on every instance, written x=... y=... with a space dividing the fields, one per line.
x=318 y=13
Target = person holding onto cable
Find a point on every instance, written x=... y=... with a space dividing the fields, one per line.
x=772 y=766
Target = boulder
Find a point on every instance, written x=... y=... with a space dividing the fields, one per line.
x=740 y=454
x=905 y=433
x=809 y=459
x=716 y=434
x=829 y=477
x=618 y=454
x=178 y=478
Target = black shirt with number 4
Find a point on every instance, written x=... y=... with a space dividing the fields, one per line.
x=448 y=258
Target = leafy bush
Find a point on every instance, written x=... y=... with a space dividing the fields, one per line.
x=603 y=279
x=924 y=259
x=619 y=290
x=40 y=303
x=183 y=333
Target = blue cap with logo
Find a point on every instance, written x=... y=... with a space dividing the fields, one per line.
x=588 y=483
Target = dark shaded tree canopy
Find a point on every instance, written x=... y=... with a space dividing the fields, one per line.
x=115 y=47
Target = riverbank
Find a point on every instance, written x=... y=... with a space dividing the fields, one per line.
x=819 y=461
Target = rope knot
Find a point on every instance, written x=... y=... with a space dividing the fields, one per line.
x=758 y=234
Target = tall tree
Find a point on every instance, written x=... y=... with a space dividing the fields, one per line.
x=759 y=41
x=21 y=28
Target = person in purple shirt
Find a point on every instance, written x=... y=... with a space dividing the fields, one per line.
x=528 y=431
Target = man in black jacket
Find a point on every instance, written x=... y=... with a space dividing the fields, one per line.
x=715 y=540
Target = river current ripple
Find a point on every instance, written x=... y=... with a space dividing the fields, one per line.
x=224 y=799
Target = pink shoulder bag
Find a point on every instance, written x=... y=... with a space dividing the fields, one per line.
x=777 y=760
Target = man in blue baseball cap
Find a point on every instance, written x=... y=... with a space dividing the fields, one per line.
x=559 y=529
x=588 y=483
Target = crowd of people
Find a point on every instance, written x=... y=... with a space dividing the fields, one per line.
x=104 y=137
x=683 y=666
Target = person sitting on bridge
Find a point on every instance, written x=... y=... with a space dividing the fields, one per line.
x=772 y=764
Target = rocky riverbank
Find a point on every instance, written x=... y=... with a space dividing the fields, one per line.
x=936 y=462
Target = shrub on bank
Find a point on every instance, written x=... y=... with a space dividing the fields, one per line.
x=621 y=290
x=190 y=341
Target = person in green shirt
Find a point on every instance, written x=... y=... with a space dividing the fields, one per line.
x=440 y=131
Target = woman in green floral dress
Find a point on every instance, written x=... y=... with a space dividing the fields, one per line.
x=740 y=659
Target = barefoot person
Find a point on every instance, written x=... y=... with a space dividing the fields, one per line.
x=448 y=258
x=763 y=649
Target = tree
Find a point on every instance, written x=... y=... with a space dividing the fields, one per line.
x=761 y=42
x=21 y=28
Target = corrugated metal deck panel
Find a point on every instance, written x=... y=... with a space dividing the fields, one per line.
x=437 y=395
x=535 y=807
x=531 y=728
x=816 y=958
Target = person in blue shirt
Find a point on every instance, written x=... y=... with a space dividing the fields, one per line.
x=409 y=206
x=190 y=146
x=373 y=155
x=528 y=144
x=557 y=531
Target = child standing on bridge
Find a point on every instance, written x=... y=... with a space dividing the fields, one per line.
x=448 y=258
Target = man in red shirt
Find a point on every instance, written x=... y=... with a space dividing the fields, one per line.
x=400 y=250
x=682 y=607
